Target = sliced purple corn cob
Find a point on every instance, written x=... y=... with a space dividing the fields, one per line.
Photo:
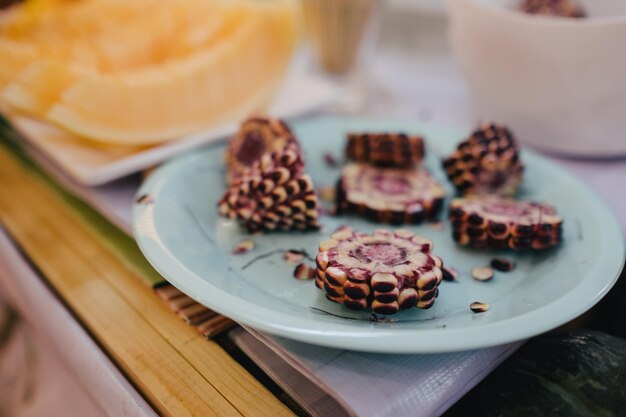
x=389 y=195
x=386 y=271
x=486 y=163
x=385 y=149
x=490 y=222
x=273 y=194
x=256 y=136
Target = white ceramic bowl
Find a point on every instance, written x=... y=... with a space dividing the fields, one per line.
x=559 y=83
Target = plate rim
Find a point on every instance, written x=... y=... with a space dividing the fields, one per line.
x=505 y=331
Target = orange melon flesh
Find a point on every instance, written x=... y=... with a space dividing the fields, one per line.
x=143 y=71
x=40 y=84
x=14 y=57
x=234 y=76
x=108 y=35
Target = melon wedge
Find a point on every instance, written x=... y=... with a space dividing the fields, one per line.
x=40 y=85
x=109 y=35
x=104 y=34
x=134 y=42
x=237 y=74
x=14 y=57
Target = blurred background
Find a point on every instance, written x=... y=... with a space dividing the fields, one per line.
x=130 y=77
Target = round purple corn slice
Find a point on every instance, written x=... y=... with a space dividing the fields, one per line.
x=273 y=194
x=487 y=162
x=491 y=222
x=389 y=195
x=256 y=136
x=397 y=150
x=560 y=8
x=385 y=270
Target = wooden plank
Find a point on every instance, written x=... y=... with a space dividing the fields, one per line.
x=158 y=370
x=179 y=371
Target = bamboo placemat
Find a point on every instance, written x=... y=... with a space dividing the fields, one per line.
x=99 y=273
x=207 y=322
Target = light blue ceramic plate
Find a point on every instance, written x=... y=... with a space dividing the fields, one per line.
x=181 y=234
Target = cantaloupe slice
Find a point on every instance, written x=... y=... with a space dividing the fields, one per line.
x=14 y=57
x=143 y=71
x=107 y=36
x=235 y=75
x=104 y=34
x=36 y=80
x=40 y=85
